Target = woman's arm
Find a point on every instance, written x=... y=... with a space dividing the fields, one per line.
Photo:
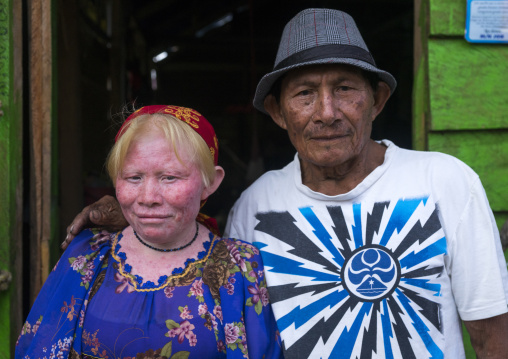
x=263 y=337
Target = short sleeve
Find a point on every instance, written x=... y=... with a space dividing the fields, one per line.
x=478 y=269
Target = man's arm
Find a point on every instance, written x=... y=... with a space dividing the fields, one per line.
x=489 y=337
x=105 y=213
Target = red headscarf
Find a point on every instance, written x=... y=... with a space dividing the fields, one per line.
x=198 y=123
x=191 y=117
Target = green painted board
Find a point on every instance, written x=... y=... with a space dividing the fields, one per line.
x=484 y=151
x=10 y=173
x=500 y=217
x=447 y=17
x=468 y=85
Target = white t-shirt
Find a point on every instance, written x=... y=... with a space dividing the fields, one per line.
x=384 y=271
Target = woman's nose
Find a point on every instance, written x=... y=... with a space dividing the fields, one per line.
x=149 y=193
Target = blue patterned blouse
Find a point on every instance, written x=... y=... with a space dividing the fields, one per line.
x=91 y=306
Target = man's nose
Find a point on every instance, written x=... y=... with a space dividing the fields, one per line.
x=327 y=109
x=150 y=193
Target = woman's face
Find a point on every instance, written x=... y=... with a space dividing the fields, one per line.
x=159 y=195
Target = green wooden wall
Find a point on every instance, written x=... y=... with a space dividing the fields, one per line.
x=460 y=100
x=10 y=172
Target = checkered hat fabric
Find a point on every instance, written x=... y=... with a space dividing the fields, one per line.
x=319 y=36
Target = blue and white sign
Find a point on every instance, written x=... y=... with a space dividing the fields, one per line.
x=487 y=21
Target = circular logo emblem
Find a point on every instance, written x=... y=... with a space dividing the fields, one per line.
x=371 y=273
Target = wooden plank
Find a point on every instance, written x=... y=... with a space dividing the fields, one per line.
x=35 y=150
x=56 y=237
x=420 y=112
x=16 y=176
x=40 y=129
x=420 y=27
x=46 y=95
x=447 y=17
x=11 y=172
x=486 y=152
x=468 y=86
x=420 y=77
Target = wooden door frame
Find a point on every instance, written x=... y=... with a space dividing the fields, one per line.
x=40 y=118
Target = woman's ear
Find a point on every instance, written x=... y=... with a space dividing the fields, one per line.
x=219 y=176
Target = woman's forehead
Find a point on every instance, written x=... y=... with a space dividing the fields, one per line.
x=157 y=143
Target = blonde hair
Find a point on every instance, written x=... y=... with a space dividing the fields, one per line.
x=177 y=133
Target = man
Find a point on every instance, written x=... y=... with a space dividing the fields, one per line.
x=371 y=251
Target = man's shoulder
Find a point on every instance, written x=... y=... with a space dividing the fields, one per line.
x=270 y=186
x=430 y=160
x=272 y=179
x=90 y=241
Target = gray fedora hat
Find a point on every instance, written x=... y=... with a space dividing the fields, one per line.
x=319 y=36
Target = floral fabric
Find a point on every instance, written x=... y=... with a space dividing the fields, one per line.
x=91 y=306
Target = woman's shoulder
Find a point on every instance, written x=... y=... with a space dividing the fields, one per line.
x=234 y=243
x=89 y=241
x=238 y=250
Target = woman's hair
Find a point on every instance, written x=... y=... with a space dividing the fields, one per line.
x=178 y=134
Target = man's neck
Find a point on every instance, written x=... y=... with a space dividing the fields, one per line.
x=333 y=181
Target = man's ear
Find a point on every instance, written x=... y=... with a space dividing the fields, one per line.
x=381 y=95
x=219 y=176
x=273 y=108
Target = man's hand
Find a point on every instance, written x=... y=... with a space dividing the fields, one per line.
x=105 y=213
x=489 y=337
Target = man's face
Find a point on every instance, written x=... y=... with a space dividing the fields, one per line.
x=328 y=112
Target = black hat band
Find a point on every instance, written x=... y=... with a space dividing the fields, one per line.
x=324 y=52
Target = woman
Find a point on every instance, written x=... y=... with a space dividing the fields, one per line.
x=165 y=286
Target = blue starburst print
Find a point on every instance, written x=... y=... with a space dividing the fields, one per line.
x=357 y=281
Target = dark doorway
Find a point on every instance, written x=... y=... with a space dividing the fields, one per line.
x=215 y=54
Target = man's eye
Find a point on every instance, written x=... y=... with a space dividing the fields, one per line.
x=169 y=178
x=344 y=88
x=304 y=93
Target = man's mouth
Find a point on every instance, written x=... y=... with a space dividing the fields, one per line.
x=327 y=137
